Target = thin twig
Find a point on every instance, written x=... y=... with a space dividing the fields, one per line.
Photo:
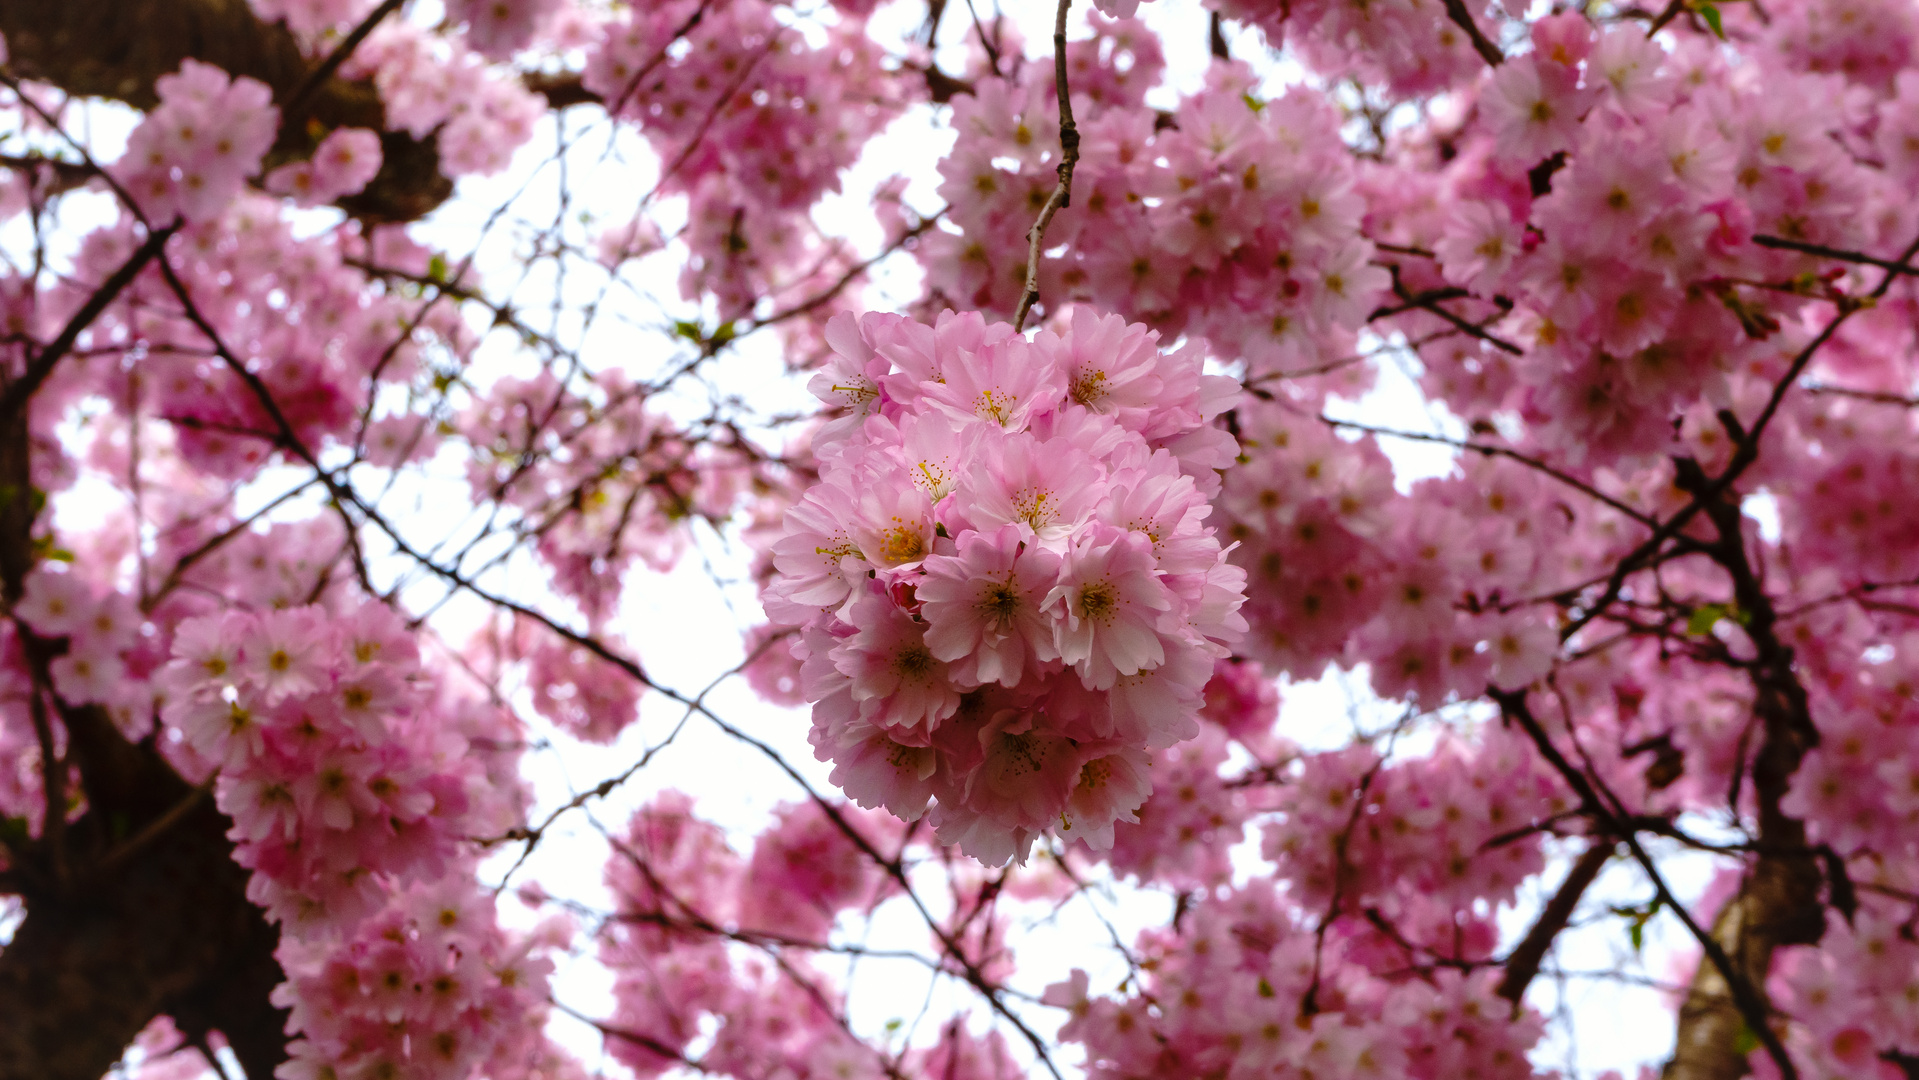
x=1780 y=243
x=1069 y=156
x=1500 y=451
x=1877 y=397
x=1429 y=302
x=290 y=109
x=637 y=1038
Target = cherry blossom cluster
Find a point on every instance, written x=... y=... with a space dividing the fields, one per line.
x=1242 y=989
x=430 y=986
x=199 y=147
x=101 y=628
x=685 y=895
x=607 y=479
x=351 y=784
x=1424 y=837
x=1421 y=587
x=434 y=85
x=351 y=788
x=1239 y=220
x=753 y=118
x=1406 y=49
x=1006 y=591
x=328 y=764
x=341 y=165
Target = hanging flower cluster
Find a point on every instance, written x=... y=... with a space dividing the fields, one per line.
x=1006 y=593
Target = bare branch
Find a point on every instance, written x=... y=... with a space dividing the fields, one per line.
x=1523 y=962
x=1489 y=52
x=1069 y=157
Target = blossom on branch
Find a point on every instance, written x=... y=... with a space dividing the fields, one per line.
x=978 y=626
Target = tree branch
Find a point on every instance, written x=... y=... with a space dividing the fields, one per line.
x=1778 y=902
x=1748 y=1004
x=1069 y=157
x=1489 y=52
x=118 y=48
x=14 y=399
x=290 y=108
x=1523 y=962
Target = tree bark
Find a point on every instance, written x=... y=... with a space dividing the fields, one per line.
x=165 y=931
x=1779 y=901
x=117 y=48
x=136 y=909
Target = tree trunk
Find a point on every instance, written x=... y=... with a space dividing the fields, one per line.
x=134 y=910
x=117 y=48
x=167 y=931
x=1779 y=901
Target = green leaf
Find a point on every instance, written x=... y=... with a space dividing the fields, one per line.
x=689 y=330
x=1711 y=14
x=1705 y=617
x=436 y=268
x=1746 y=1041
x=1637 y=932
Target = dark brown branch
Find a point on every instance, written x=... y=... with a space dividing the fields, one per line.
x=1780 y=243
x=1745 y=452
x=1523 y=962
x=1671 y=12
x=1747 y=1001
x=1489 y=52
x=1778 y=902
x=64 y=176
x=53 y=786
x=1069 y=157
x=290 y=108
x=20 y=390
